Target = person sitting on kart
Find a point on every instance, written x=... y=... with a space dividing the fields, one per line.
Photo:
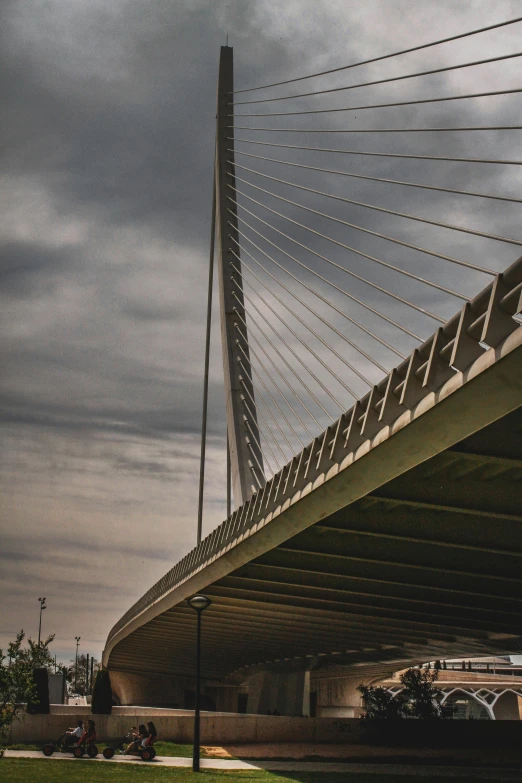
x=150 y=739
x=133 y=732
x=72 y=735
x=89 y=735
x=139 y=735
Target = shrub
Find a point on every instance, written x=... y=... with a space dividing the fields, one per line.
x=420 y=697
x=102 y=693
x=380 y=704
x=17 y=680
x=40 y=704
x=417 y=699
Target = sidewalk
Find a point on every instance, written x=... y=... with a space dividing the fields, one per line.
x=271 y=765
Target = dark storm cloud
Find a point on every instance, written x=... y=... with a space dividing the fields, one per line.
x=161 y=423
x=28 y=268
x=130 y=134
x=17 y=550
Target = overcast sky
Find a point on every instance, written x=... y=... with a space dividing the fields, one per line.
x=106 y=168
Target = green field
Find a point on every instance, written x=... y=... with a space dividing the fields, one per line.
x=44 y=771
x=162 y=749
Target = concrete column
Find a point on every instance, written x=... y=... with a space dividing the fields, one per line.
x=287 y=693
x=246 y=459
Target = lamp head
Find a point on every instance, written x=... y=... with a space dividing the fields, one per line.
x=199 y=602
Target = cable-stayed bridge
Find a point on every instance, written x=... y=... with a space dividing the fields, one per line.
x=370 y=304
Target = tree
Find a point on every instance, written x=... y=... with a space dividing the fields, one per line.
x=40 y=705
x=102 y=693
x=79 y=684
x=419 y=696
x=380 y=704
x=417 y=699
x=17 y=684
x=37 y=654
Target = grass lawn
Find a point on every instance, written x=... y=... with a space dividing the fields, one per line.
x=44 y=771
x=162 y=749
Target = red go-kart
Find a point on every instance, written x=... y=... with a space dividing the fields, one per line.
x=146 y=753
x=64 y=745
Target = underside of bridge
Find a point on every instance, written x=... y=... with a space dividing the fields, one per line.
x=428 y=565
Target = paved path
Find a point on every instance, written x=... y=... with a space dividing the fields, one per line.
x=470 y=773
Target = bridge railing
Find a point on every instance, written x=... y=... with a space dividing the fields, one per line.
x=483 y=323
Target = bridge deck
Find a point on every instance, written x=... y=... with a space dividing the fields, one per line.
x=409 y=550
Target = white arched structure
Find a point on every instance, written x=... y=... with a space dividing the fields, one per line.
x=486 y=695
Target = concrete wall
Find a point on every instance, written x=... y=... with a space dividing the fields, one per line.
x=163 y=690
x=286 y=692
x=154 y=689
x=337 y=696
x=226 y=728
x=177 y=726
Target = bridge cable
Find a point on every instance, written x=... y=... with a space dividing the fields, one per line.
x=270 y=375
x=229 y=480
x=384 y=56
x=316 y=356
x=462 y=229
x=396 y=241
x=381 y=81
x=378 y=130
x=375 y=154
x=258 y=443
x=252 y=451
x=252 y=432
x=312 y=331
x=257 y=440
x=358 y=277
x=357 y=252
x=333 y=285
x=416 y=102
x=323 y=299
x=382 y=179
x=296 y=376
x=291 y=350
x=206 y=365
x=285 y=458
x=274 y=400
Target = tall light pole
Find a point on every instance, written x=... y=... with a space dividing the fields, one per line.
x=76 y=668
x=199 y=603
x=42 y=607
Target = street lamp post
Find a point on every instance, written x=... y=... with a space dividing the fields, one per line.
x=42 y=607
x=76 y=668
x=199 y=603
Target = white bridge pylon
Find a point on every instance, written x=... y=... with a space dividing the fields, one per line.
x=246 y=457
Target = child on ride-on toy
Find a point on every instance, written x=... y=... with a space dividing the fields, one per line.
x=89 y=735
x=72 y=735
x=139 y=734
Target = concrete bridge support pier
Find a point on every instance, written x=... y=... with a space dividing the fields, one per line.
x=286 y=693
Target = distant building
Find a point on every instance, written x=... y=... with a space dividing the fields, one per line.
x=499 y=664
x=476 y=688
